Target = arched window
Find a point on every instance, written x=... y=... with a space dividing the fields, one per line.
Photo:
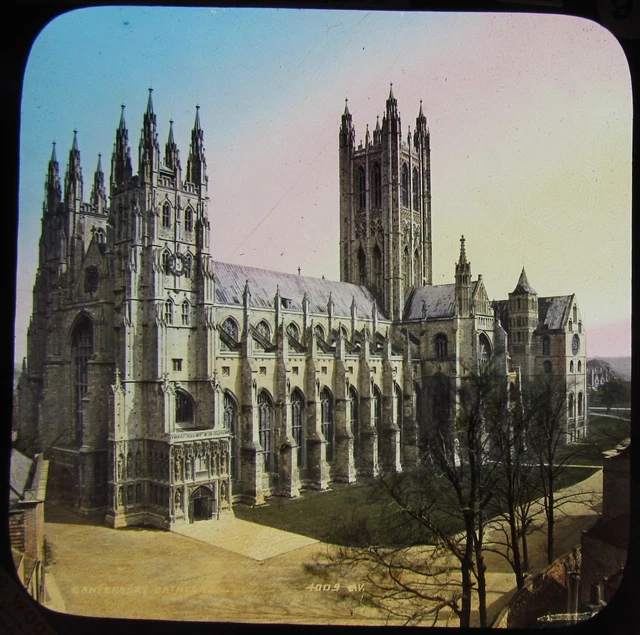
x=81 y=351
x=344 y=333
x=580 y=404
x=168 y=312
x=362 y=266
x=417 y=273
x=165 y=261
x=264 y=330
x=186 y=313
x=293 y=332
x=185 y=411
x=405 y=185
x=231 y=424
x=230 y=328
x=407 y=268
x=484 y=351
x=547 y=367
x=319 y=331
x=571 y=366
x=101 y=237
x=297 y=425
x=579 y=366
x=441 y=345
x=188 y=219
x=571 y=325
x=398 y=407
x=575 y=313
x=166 y=215
x=326 y=418
x=546 y=346
x=572 y=406
x=265 y=429
x=354 y=420
x=362 y=188
x=377 y=185
x=188 y=266
x=416 y=189
x=377 y=268
x=377 y=416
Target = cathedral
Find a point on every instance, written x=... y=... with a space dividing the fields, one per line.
x=166 y=386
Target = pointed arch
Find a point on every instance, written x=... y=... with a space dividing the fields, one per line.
x=362 y=188
x=168 y=311
x=484 y=351
x=265 y=429
x=188 y=266
x=297 y=426
x=231 y=411
x=185 y=409
x=228 y=334
x=166 y=214
x=354 y=418
x=398 y=410
x=571 y=406
x=188 y=219
x=81 y=352
x=377 y=416
x=362 y=267
x=416 y=189
x=417 y=270
x=441 y=345
x=377 y=185
x=264 y=329
x=318 y=330
x=326 y=420
x=166 y=259
x=404 y=186
x=406 y=262
x=580 y=404
x=186 y=313
x=378 y=268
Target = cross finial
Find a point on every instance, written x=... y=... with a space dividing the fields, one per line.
x=299 y=270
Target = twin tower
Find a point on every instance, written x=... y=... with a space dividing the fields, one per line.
x=385 y=208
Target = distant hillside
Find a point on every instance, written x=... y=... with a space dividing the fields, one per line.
x=621 y=366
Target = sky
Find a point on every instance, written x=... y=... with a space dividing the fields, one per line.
x=530 y=119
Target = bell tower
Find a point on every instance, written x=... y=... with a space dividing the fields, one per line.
x=385 y=208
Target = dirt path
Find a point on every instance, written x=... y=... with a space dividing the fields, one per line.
x=147 y=573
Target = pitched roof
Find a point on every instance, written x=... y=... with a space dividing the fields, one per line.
x=230 y=282
x=553 y=312
x=433 y=302
x=20 y=472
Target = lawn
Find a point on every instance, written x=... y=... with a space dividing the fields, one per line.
x=605 y=433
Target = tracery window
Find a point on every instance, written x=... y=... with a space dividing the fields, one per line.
x=405 y=185
x=362 y=189
x=441 y=343
x=168 y=312
x=265 y=429
x=297 y=426
x=165 y=261
x=264 y=330
x=188 y=266
x=186 y=313
x=293 y=331
x=319 y=331
x=188 y=219
x=484 y=352
x=231 y=424
x=81 y=351
x=416 y=190
x=362 y=266
x=377 y=185
x=185 y=411
x=166 y=215
x=326 y=417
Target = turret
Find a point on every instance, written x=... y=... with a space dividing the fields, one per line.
x=52 y=188
x=197 y=164
x=171 y=153
x=347 y=131
x=73 y=177
x=149 y=149
x=463 y=282
x=98 y=192
x=391 y=120
x=523 y=311
x=121 y=170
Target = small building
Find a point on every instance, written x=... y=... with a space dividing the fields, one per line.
x=28 y=486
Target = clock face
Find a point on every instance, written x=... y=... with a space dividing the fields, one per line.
x=575 y=344
x=176 y=264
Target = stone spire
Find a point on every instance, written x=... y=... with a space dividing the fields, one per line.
x=52 y=187
x=98 y=192
x=392 y=105
x=463 y=281
x=171 y=152
x=73 y=177
x=121 y=169
x=347 y=131
x=196 y=163
x=149 y=149
x=523 y=285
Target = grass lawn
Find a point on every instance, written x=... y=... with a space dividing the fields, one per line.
x=604 y=434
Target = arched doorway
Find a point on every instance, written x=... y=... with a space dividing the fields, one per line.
x=202 y=505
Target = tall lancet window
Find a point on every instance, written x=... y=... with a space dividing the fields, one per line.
x=377 y=185
x=188 y=219
x=405 y=185
x=362 y=188
x=81 y=351
x=297 y=426
x=362 y=267
x=166 y=215
x=377 y=268
x=416 y=189
x=417 y=274
x=328 y=429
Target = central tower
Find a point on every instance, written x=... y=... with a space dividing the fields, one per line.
x=385 y=208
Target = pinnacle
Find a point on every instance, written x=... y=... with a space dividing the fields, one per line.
x=391 y=91
x=122 y=123
x=53 y=152
x=150 y=103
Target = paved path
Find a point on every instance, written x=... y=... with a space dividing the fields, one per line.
x=237 y=571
